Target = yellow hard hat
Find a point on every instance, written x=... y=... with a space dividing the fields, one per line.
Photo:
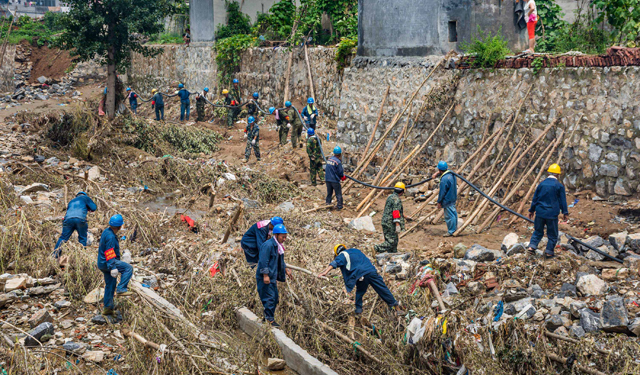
x=153 y=91
x=554 y=168
x=400 y=185
x=225 y=91
x=338 y=248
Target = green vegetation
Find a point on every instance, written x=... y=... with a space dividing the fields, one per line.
x=229 y=55
x=486 y=48
x=346 y=49
x=26 y=28
x=237 y=22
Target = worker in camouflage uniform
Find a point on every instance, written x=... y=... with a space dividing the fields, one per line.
x=236 y=101
x=392 y=221
x=293 y=123
x=283 y=130
x=252 y=134
x=315 y=156
x=200 y=101
x=252 y=107
x=228 y=100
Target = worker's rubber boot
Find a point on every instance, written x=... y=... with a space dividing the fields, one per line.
x=124 y=294
x=107 y=311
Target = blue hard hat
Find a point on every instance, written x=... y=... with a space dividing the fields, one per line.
x=82 y=192
x=271 y=110
x=255 y=95
x=128 y=88
x=337 y=150
x=279 y=229
x=310 y=132
x=206 y=89
x=310 y=101
x=442 y=165
x=180 y=86
x=251 y=120
x=287 y=104
x=105 y=91
x=116 y=220
x=235 y=80
x=276 y=220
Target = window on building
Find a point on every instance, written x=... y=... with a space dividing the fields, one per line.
x=453 y=31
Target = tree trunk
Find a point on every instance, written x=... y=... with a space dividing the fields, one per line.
x=110 y=103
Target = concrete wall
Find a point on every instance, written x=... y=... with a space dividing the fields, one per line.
x=7 y=66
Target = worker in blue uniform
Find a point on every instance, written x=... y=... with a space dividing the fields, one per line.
x=75 y=220
x=110 y=264
x=310 y=114
x=255 y=236
x=271 y=269
x=185 y=104
x=548 y=201
x=447 y=197
x=334 y=175
x=133 y=100
x=358 y=272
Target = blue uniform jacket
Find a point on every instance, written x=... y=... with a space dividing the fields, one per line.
x=353 y=264
x=448 y=190
x=270 y=262
x=108 y=250
x=549 y=199
x=307 y=113
x=334 y=171
x=158 y=100
x=79 y=206
x=184 y=95
x=133 y=98
x=254 y=237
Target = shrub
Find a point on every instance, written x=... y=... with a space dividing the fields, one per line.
x=229 y=55
x=344 y=52
x=486 y=48
x=237 y=22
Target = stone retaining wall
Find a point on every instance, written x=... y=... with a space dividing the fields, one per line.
x=603 y=154
x=7 y=70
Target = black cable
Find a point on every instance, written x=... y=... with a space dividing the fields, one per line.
x=531 y=221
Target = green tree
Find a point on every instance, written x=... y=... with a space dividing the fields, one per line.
x=237 y=22
x=109 y=30
x=622 y=15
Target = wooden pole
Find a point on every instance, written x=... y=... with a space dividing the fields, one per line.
x=289 y=62
x=574 y=341
x=402 y=165
x=391 y=153
x=304 y=270
x=512 y=165
x=375 y=127
x=552 y=146
x=306 y=57
x=349 y=341
x=232 y=223
x=562 y=360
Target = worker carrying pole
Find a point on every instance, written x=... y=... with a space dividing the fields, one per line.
x=358 y=272
x=255 y=236
x=549 y=199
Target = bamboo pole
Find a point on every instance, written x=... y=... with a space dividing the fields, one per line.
x=537 y=179
x=375 y=127
x=580 y=367
x=349 y=341
x=512 y=165
x=304 y=270
x=402 y=165
x=419 y=222
x=512 y=192
x=391 y=153
x=306 y=57
x=368 y=158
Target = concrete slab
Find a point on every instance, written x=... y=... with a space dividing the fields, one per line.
x=297 y=358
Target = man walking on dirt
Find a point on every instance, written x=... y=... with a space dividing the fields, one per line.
x=110 y=264
x=185 y=104
x=293 y=123
x=271 y=269
x=283 y=130
x=314 y=150
x=201 y=99
x=76 y=220
x=447 y=197
x=549 y=199
x=157 y=102
x=334 y=176
x=235 y=101
x=392 y=221
x=252 y=133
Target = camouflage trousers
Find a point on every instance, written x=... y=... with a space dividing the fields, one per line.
x=283 y=132
x=200 y=111
x=390 y=244
x=256 y=150
x=232 y=116
x=296 y=135
x=315 y=168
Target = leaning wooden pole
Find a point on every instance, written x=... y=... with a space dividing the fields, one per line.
x=306 y=57
x=233 y=222
x=513 y=164
x=349 y=341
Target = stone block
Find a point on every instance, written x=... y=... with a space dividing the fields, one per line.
x=614 y=316
x=40 y=317
x=480 y=253
x=591 y=285
x=37 y=333
x=96 y=356
x=589 y=320
x=618 y=240
x=15 y=283
x=508 y=241
x=363 y=223
x=553 y=322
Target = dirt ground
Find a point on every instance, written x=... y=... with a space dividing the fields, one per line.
x=51 y=63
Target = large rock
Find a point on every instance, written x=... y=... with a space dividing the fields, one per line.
x=363 y=223
x=15 y=283
x=459 y=250
x=515 y=294
x=104 y=319
x=37 y=333
x=6 y=298
x=608 y=170
x=618 y=240
x=480 y=253
x=286 y=206
x=508 y=241
x=40 y=317
x=633 y=264
x=76 y=348
x=553 y=322
x=94 y=296
x=591 y=285
x=589 y=320
x=614 y=316
x=594 y=241
x=516 y=249
x=276 y=364
x=575 y=308
x=95 y=356
x=594 y=152
x=633 y=242
x=577 y=332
